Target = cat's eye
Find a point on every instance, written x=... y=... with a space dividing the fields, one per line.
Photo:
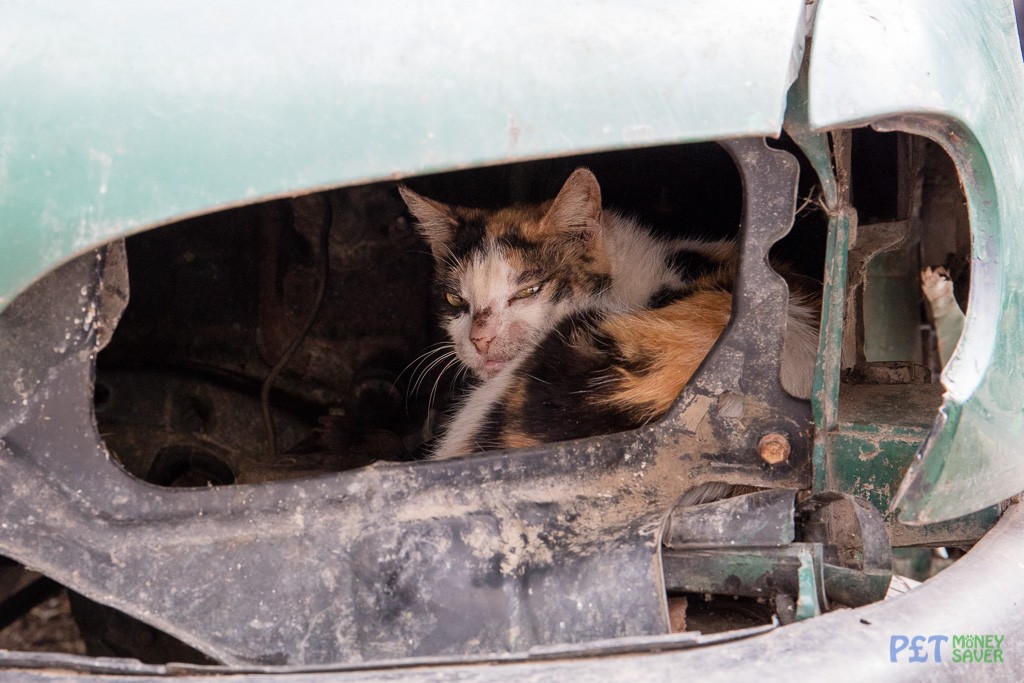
x=455 y=299
x=526 y=293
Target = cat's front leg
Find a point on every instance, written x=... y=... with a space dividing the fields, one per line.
x=947 y=317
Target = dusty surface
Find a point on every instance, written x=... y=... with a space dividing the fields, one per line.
x=48 y=627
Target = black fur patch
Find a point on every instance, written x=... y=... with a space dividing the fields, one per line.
x=532 y=275
x=599 y=283
x=515 y=240
x=563 y=290
x=665 y=296
x=488 y=437
x=559 y=383
x=469 y=235
x=690 y=265
x=609 y=348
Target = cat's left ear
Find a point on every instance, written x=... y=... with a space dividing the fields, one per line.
x=577 y=208
x=436 y=220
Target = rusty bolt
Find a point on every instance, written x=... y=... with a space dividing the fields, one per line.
x=773 y=448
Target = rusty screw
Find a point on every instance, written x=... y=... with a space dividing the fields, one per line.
x=773 y=448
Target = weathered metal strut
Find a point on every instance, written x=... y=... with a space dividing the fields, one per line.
x=496 y=553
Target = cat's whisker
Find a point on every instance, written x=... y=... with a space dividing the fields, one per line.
x=437 y=380
x=433 y=348
x=433 y=390
x=461 y=372
x=440 y=347
x=450 y=360
x=447 y=357
x=444 y=360
x=417 y=377
x=601 y=382
x=561 y=336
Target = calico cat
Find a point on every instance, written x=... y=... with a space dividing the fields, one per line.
x=579 y=321
x=504 y=278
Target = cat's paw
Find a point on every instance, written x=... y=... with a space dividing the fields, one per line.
x=937 y=287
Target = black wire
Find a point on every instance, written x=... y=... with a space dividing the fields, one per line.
x=268 y=383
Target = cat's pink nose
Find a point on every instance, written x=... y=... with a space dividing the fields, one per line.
x=482 y=344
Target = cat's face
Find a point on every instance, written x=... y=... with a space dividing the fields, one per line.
x=504 y=278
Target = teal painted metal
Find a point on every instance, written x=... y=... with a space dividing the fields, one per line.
x=116 y=117
x=950 y=70
x=842 y=222
x=842 y=219
x=825 y=388
x=868 y=461
x=796 y=569
x=891 y=305
x=813 y=144
x=810 y=579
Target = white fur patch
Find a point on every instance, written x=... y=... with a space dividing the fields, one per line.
x=638 y=262
x=799 y=349
x=489 y=283
x=947 y=317
x=458 y=437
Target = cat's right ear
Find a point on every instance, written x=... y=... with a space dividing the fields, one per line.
x=436 y=221
x=577 y=208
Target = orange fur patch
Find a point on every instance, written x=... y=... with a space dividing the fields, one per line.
x=518 y=440
x=669 y=343
x=515 y=219
x=515 y=397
